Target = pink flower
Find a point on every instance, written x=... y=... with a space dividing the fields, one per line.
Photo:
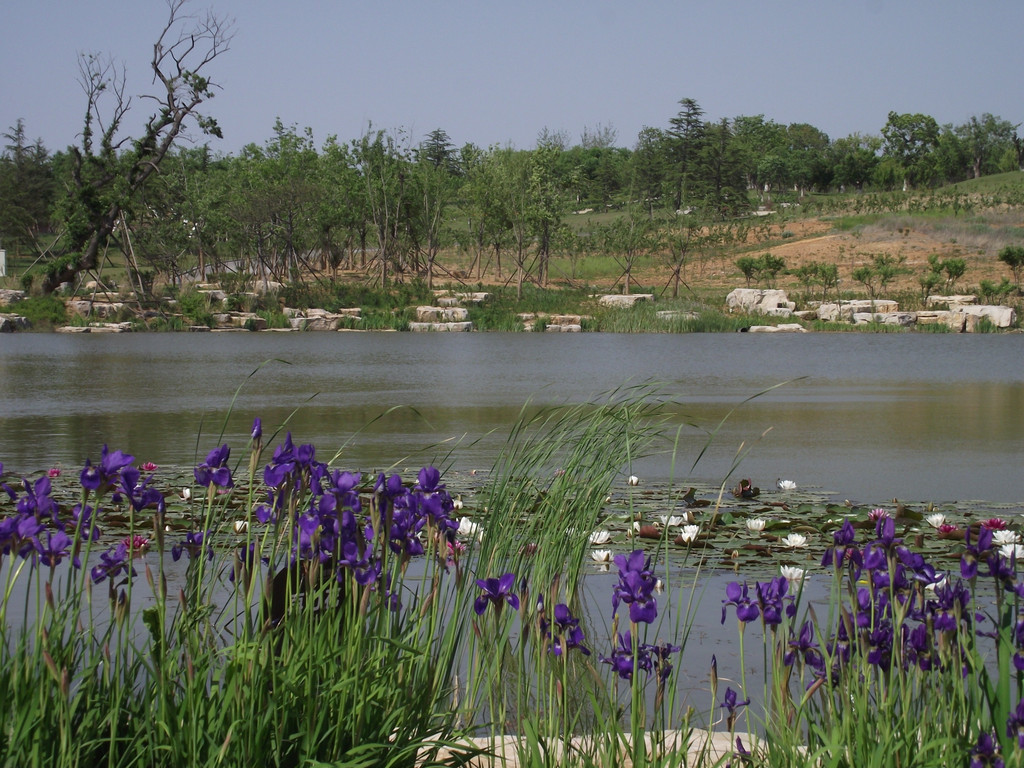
x=149 y=466
x=995 y=524
x=947 y=528
x=877 y=514
x=136 y=544
x=455 y=550
x=53 y=472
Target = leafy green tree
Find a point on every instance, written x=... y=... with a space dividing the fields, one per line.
x=951 y=157
x=437 y=150
x=433 y=184
x=681 y=235
x=383 y=163
x=108 y=170
x=854 y=159
x=947 y=270
x=754 y=138
x=883 y=269
x=546 y=204
x=769 y=267
x=27 y=189
x=807 y=147
x=599 y=137
x=1013 y=257
x=911 y=140
x=818 y=273
x=725 y=193
x=685 y=141
x=511 y=176
x=627 y=239
x=343 y=217
x=649 y=167
x=749 y=266
x=986 y=139
x=994 y=292
x=289 y=173
x=181 y=216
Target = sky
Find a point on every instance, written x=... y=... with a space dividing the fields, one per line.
x=499 y=73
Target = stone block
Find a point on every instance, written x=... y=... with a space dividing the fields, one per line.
x=783 y=328
x=11 y=323
x=440 y=327
x=999 y=316
x=950 y=301
x=952 y=320
x=761 y=301
x=9 y=296
x=623 y=300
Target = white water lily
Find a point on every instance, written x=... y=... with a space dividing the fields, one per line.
x=601 y=555
x=794 y=541
x=457 y=502
x=1002 y=538
x=186 y=493
x=755 y=524
x=1015 y=551
x=632 y=480
x=240 y=526
x=786 y=485
x=935 y=520
x=670 y=521
x=936 y=584
x=470 y=530
x=793 y=574
x=689 y=533
x=600 y=537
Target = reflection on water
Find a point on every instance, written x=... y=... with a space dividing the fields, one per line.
x=923 y=417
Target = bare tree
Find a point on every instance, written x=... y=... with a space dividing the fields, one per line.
x=109 y=168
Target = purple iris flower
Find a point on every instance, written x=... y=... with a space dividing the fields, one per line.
x=804 y=647
x=948 y=606
x=659 y=653
x=140 y=495
x=974 y=552
x=773 y=600
x=100 y=478
x=57 y=547
x=363 y=568
x=4 y=486
x=497 y=591
x=429 y=480
x=82 y=521
x=844 y=549
x=622 y=661
x=20 y=533
x=193 y=545
x=636 y=588
x=566 y=633
x=918 y=647
x=1015 y=724
x=257 y=430
x=37 y=501
x=737 y=594
x=215 y=470
x=985 y=754
x=112 y=562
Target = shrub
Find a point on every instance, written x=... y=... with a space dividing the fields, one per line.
x=42 y=311
x=195 y=307
x=1013 y=257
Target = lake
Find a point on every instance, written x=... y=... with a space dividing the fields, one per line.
x=868 y=417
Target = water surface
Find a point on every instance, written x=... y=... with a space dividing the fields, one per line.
x=862 y=416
